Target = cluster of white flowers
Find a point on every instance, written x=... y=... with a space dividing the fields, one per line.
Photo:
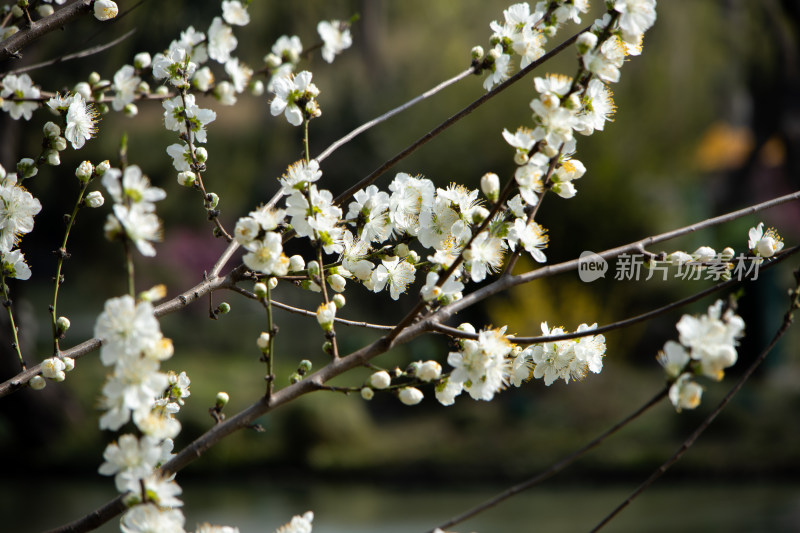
x=286 y=53
x=707 y=347
x=134 y=216
x=137 y=390
x=485 y=366
x=17 y=209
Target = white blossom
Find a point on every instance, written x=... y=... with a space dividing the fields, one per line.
x=221 y=41
x=235 y=13
x=19 y=87
x=335 y=37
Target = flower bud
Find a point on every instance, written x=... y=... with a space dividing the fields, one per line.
x=380 y=380
x=296 y=262
x=313 y=268
x=572 y=102
x=142 y=60
x=479 y=214
x=727 y=253
x=84 y=90
x=401 y=250
x=62 y=324
x=105 y=10
x=339 y=300
x=130 y=110
x=256 y=88
x=477 y=52
x=410 y=395
x=59 y=143
x=37 y=383
x=94 y=199
x=201 y=154
x=367 y=393
x=51 y=130
x=704 y=254
x=101 y=168
x=69 y=364
x=17 y=11
x=304 y=367
x=272 y=61
x=26 y=168
x=84 y=171
x=162 y=90
x=213 y=200
x=53 y=368
x=260 y=290
x=94 y=78
x=44 y=10
x=263 y=341
x=490 y=185
x=336 y=282
x=143 y=87
x=187 y=178
x=466 y=327
x=412 y=257
x=586 y=42
x=52 y=157
x=224 y=308
x=429 y=371
x=325 y=315
x=221 y=400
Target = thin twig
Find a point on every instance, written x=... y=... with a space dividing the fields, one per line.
x=555 y=468
x=179 y=302
x=77 y=55
x=389 y=114
x=787 y=322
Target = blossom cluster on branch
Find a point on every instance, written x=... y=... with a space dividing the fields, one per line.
x=441 y=243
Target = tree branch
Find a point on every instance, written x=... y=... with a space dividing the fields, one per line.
x=459 y=334
x=12 y=46
x=787 y=322
x=555 y=468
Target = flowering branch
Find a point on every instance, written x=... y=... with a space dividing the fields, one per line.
x=505 y=283
x=375 y=174
x=460 y=334
x=788 y=319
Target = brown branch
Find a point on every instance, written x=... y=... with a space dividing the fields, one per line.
x=77 y=55
x=457 y=333
x=179 y=302
x=507 y=282
x=555 y=468
x=787 y=322
x=12 y=46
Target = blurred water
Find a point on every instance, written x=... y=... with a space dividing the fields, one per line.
x=258 y=507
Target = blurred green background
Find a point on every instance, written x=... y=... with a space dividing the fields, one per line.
x=708 y=121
